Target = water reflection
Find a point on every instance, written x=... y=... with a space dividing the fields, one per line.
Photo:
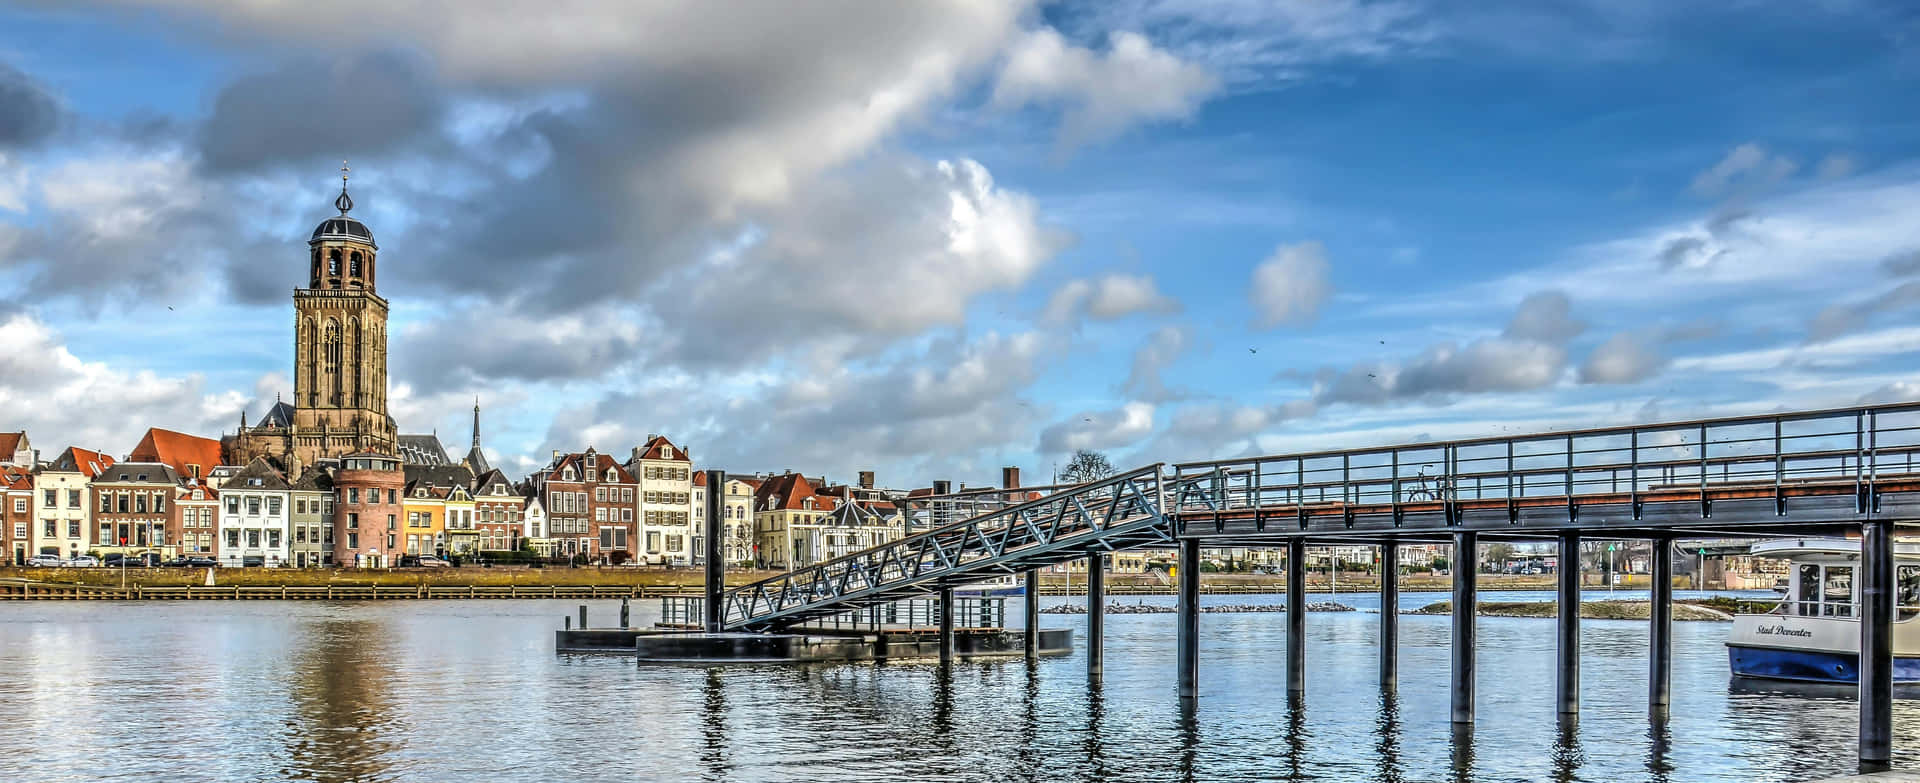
x=1461 y=745
x=345 y=729
x=1659 y=744
x=1297 y=734
x=1096 y=712
x=1189 y=731
x=1387 y=729
x=713 y=727
x=1567 y=755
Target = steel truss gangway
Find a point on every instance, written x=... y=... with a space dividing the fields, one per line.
x=1007 y=535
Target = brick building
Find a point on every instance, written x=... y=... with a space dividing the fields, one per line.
x=589 y=500
x=16 y=513
x=497 y=510
x=133 y=509
x=367 y=510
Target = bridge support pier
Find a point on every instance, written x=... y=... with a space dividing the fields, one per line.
x=1466 y=574
x=1096 y=614
x=1660 y=632
x=1566 y=685
x=1876 y=644
x=716 y=554
x=1389 y=616
x=1187 y=629
x=1296 y=615
x=1033 y=613
x=946 y=624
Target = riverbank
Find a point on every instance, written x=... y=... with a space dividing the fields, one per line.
x=1591 y=610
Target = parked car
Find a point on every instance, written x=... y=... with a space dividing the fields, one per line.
x=46 y=561
x=429 y=561
x=193 y=562
x=83 y=561
x=136 y=560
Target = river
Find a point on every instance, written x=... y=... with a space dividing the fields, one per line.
x=472 y=690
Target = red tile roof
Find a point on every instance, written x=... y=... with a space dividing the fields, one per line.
x=657 y=443
x=602 y=461
x=84 y=461
x=16 y=478
x=9 y=443
x=791 y=491
x=177 y=450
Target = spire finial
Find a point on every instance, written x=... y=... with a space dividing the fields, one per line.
x=345 y=202
x=476 y=421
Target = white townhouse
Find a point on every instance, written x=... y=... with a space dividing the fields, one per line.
x=255 y=517
x=664 y=502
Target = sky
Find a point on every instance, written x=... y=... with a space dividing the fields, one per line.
x=931 y=239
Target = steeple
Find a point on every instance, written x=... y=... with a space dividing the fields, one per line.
x=476 y=422
x=476 y=459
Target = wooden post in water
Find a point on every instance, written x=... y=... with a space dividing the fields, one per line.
x=1296 y=615
x=1187 y=627
x=1466 y=567
x=1876 y=643
x=624 y=610
x=583 y=617
x=1566 y=685
x=1096 y=614
x=1390 y=616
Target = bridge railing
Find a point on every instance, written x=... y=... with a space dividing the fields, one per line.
x=1778 y=451
x=971 y=547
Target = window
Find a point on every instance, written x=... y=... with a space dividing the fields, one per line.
x=50 y=528
x=353 y=540
x=106 y=535
x=73 y=498
x=390 y=540
x=390 y=526
x=600 y=494
x=253 y=506
x=333 y=262
x=159 y=502
x=1906 y=595
x=353 y=520
x=273 y=539
x=626 y=515
x=19 y=530
x=273 y=506
x=392 y=496
x=52 y=498
x=653 y=543
x=19 y=505
x=599 y=515
x=299 y=505
x=253 y=539
x=139 y=504
x=353 y=495
x=675 y=543
x=300 y=535
x=233 y=538
x=73 y=528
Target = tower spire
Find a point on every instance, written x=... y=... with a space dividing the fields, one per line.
x=345 y=202
x=476 y=422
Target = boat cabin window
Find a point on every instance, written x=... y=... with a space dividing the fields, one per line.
x=1824 y=591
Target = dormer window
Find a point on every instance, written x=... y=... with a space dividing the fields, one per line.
x=610 y=474
x=666 y=452
x=569 y=474
x=254 y=482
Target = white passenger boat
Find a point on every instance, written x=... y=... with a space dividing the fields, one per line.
x=1814 y=634
x=1002 y=585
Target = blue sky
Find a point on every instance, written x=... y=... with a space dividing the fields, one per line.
x=937 y=238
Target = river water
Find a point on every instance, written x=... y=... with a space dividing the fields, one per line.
x=472 y=690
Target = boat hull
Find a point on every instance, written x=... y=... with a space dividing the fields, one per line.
x=1773 y=663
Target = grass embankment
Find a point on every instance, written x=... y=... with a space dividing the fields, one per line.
x=409 y=577
x=1591 y=610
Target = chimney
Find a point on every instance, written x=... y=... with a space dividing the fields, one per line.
x=941 y=487
x=637 y=451
x=1010 y=477
x=866 y=479
x=556 y=455
x=651 y=436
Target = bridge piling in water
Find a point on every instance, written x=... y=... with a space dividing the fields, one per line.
x=1187 y=629
x=1876 y=643
x=1033 y=613
x=1466 y=568
x=1566 y=685
x=1389 y=616
x=1660 y=632
x=1296 y=615
x=1096 y=614
x=716 y=565
x=946 y=624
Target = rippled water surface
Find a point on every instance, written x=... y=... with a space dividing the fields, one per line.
x=472 y=690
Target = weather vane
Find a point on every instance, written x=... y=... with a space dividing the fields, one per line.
x=344 y=202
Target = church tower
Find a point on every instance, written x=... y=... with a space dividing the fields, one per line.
x=340 y=343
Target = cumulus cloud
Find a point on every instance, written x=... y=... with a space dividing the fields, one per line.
x=1838 y=319
x=1108 y=298
x=61 y=400
x=1102 y=93
x=1624 y=358
x=1151 y=359
x=310 y=110
x=1290 y=286
x=1099 y=430
x=1545 y=316
x=474 y=347
x=28 y=113
x=896 y=249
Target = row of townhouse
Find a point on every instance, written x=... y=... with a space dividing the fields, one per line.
x=171 y=497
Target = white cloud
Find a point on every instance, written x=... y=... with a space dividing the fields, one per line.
x=1151 y=359
x=1099 y=430
x=1745 y=168
x=1108 y=298
x=1623 y=358
x=1131 y=82
x=1289 y=287
x=62 y=400
x=1837 y=165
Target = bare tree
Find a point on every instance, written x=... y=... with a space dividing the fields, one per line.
x=1086 y=466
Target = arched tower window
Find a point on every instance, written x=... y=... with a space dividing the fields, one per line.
x=332 y=348
x=333 y=262
x=358 y=388
x=354 y=269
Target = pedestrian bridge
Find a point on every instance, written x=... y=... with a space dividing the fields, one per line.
x=1836 y=471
